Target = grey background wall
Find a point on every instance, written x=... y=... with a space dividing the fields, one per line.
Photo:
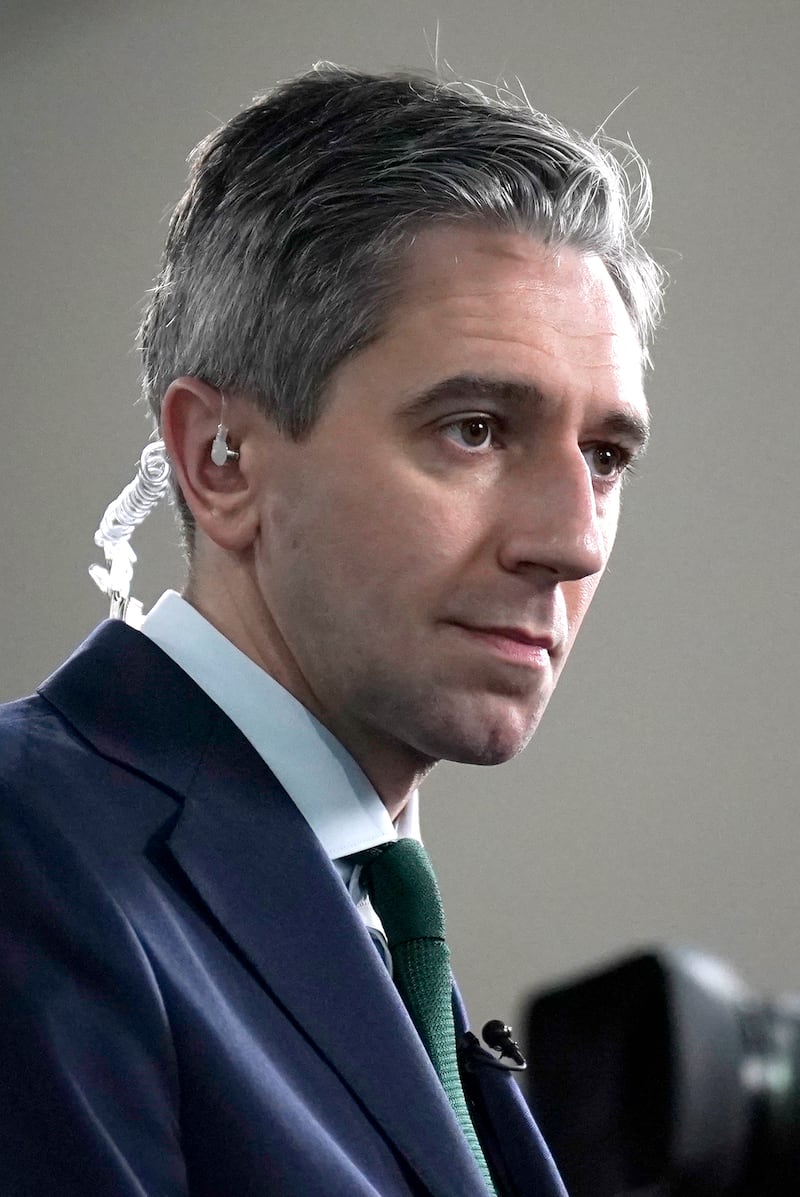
x=658 y=800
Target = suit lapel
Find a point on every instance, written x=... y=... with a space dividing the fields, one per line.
x=509 y=1136
x=252 y=858
x=254 y=861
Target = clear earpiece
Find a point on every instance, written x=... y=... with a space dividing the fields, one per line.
x=221 y=453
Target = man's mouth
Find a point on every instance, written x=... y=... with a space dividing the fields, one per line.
x=520 y=645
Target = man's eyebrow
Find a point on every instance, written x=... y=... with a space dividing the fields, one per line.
x=477 y=387
x=624 y=422
x=629 y=424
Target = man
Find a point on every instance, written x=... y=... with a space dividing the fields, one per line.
x=395 y=353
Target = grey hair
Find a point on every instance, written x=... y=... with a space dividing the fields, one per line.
x=283 y=255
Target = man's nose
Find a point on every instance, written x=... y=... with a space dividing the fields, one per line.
x=552 y=521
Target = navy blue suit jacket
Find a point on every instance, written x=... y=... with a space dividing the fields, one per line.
x=190 y=1002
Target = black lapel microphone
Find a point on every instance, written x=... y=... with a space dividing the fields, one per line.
x=497 y=1036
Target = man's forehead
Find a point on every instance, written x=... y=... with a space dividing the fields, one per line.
x=447 y=250
x=458 y=281
x=450 y=263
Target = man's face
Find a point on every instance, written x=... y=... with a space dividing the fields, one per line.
x=426 y=556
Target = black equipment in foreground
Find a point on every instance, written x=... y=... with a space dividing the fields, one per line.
x=662 y=1076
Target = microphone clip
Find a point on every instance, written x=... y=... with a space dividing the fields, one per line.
x=497 y=1036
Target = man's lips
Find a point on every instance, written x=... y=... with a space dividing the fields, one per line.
x=521 y=645
x=537 y=640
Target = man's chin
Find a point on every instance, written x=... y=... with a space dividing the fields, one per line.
x=491 y=754
x=470 y=730
x=487 y=744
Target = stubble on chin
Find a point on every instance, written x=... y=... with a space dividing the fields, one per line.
x=469 y=729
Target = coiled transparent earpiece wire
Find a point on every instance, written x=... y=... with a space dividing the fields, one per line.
x=120 y=518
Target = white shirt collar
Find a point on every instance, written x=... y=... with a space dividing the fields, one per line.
x=319 y=775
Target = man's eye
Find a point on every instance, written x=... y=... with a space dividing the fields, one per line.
x=607 y=461
x=472 y=432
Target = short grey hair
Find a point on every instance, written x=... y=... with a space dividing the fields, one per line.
x=283 y=255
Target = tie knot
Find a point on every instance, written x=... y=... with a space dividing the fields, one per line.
x=402 y=887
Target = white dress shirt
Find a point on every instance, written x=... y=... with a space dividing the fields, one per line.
x=319 y=775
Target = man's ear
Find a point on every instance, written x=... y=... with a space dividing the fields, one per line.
x=220 y=497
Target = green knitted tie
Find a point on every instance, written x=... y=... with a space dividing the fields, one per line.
x=403 y=890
